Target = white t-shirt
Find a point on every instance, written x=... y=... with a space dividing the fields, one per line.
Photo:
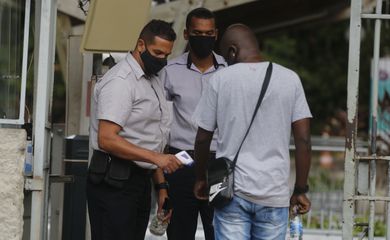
x=228 y=103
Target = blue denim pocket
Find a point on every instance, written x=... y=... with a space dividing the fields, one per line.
x=231 y=211
x=276 y=215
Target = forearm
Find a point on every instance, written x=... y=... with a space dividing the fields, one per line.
x=119 y=147
x=158 y=176
x=302 y=161
x=301 y=131
x=201 y=160
x=202 y=153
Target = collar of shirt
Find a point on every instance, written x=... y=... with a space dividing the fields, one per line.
x=185 y=59
x=139 y=73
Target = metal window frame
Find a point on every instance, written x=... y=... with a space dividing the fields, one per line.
x=22 y=100
x=45 y=29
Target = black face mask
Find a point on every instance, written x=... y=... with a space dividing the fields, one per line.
x=152 y=64
x=202 y=45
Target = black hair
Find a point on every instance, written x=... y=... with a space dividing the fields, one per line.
x=157 y=28
x=201 y=12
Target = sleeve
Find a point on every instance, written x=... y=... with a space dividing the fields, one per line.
x=163 y=75
x=205 y=115
x=301 y=108
x=115 y=101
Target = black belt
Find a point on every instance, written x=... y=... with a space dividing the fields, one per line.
x=134 y=167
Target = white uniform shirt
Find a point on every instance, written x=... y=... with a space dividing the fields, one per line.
x=126 y=97
x=184 y=84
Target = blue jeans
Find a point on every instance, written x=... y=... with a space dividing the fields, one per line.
x=243 y=220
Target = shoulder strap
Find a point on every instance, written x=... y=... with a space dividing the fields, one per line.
x=262 y=93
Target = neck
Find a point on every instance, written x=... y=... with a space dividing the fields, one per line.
x=252 y=58
x=137 y=57
x=202 y=64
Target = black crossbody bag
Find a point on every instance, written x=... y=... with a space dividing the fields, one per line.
x=220 y=174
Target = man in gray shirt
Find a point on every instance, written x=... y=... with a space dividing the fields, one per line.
x=129 y=129
x=259 y=209
x=184 y=79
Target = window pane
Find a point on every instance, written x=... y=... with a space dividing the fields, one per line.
x=11 y=50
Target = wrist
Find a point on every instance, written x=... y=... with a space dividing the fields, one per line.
x=298 y=190
x=161 y=186
x=162 y=194
x=153 y=158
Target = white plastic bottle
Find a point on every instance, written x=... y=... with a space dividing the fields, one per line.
x=157 y=225
x=296 y=228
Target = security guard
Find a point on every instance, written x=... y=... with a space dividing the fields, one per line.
x=184 y=79
x=129 y=128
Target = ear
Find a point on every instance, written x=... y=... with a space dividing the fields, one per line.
x=185 y=34
x=141 y=45
x=233 y=52
x=216 y=34
x=232 y=55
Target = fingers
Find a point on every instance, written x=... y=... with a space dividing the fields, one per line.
x=168 y=170
x=200 y=190
x=301 y=203
x=176 y=163
x=303 y=207
x=167 y=217
x=200 y=196
x=293 y=204
x=173 y=164
x=291 y=210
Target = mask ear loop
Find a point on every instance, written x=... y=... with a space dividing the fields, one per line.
x=146 y=49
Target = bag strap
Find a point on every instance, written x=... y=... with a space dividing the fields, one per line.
x=262 y=93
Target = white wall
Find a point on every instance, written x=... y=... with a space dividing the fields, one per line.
x=12 y=148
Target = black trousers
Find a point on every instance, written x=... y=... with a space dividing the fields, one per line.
x=186 y=206
x=120 y=214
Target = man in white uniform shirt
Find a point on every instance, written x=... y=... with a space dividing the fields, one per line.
x=184 y=79
x=129 y=129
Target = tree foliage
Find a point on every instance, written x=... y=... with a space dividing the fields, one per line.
x=320 y=57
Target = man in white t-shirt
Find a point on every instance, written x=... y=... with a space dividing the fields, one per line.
x=259 y=209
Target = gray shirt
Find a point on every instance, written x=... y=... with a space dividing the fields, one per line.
x=126 y=97
x=263 y=166
x=184 y=84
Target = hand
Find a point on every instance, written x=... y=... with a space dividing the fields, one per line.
x=168 y=163
x=162 y=195
x=301 y=201
x=201 y=190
